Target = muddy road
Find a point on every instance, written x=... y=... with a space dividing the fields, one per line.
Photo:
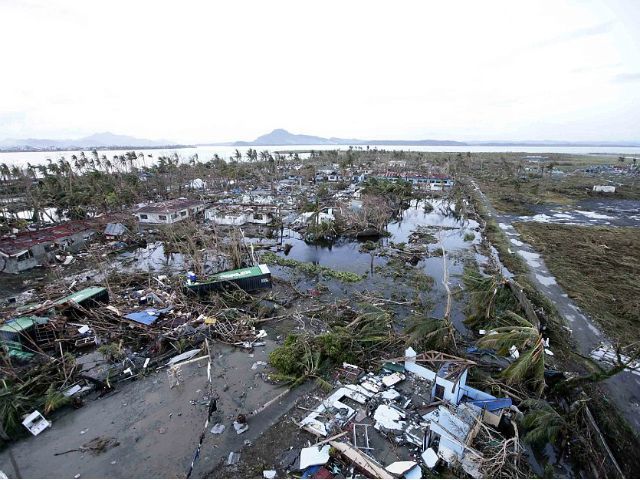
x=157 y=426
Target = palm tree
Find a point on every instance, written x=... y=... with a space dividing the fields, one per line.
x=4 y=171
x=529 y=366
x=237 y=155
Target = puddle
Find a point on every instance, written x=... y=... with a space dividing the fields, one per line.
x=531 y=258
x=546 y=281
x=611 y=212
x=517 y=243
x=594 y=215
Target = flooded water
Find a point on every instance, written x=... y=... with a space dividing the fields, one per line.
x=604 y=212
x=345 y=255
x=226 y=152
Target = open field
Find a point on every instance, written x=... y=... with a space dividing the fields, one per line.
x=598 y=267
x=517 y=186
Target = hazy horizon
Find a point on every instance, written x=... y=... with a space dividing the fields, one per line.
x=220 y=72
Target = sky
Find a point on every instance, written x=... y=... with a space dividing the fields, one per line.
x=210 y=71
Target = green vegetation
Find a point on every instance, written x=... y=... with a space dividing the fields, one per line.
x=398 y=190
x=515 y=185
x=302 y=356
x=598 y=267
x=312 y=269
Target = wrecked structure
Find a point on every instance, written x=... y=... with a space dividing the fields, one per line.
x=168 y=212
x=28 y=249
x=422 y=405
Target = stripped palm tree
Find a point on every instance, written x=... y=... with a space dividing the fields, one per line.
x=528 y=368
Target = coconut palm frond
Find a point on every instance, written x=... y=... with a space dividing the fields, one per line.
x=54 y=399
x=501 y=339
x=516 y=319
x=488 y=297
x=543 y=423
x=528 y=368
x=431 y=333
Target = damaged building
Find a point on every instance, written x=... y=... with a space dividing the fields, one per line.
x=30 y=249
x=420 y=404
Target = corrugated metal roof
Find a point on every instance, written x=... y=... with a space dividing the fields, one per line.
x=493 y=404
x=82 y=295
x=22 y=323
x=115 y=229
x=24 y=240
x=147 y=317
x=169 y=206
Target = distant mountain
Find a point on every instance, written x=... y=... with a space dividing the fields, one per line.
x=97 y=140
x=281 y=137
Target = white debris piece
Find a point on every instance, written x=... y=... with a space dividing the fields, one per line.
x=35 y=422
x=183 y=356
x=240 y=427
x=430 y=457
x=414 y=474
x=312 y=456
x=354 y=392
x=399 y=468
x=513 y=351
x=371 y=387
x=391 y=380
x=262 y=334
x=217 y=429
x=388 y=418
x=390 y=394
x=269 y=474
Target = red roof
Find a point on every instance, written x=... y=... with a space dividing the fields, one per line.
x=15 y=244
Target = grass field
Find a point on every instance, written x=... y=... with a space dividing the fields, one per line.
x=598 y=267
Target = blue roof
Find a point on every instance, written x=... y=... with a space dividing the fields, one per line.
x=146 y=317
x=493 y=404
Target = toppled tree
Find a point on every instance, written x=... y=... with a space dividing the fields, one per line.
x=529 y=366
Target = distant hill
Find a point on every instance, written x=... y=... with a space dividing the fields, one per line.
x=282 y=137
x=97 y=140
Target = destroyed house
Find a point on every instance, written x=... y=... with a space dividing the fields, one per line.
x=416 y=402
x=253 y=214
x=27 y=250
x=248 y=279
x=434 y=181
x=169 y=212
x=21 y=336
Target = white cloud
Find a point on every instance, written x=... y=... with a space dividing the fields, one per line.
x=204 y=71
